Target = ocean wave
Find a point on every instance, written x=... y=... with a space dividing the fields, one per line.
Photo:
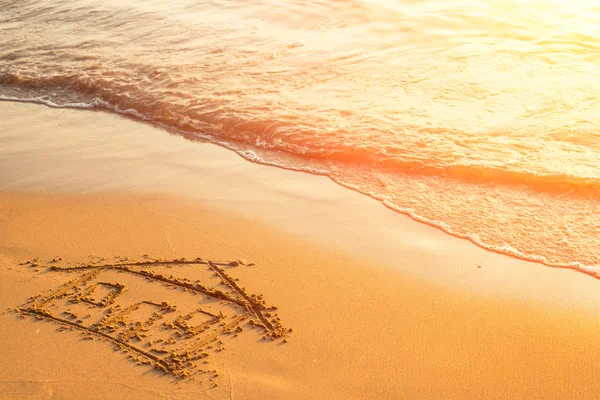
x=276 y=160
x=283 y=137
x=459 y=118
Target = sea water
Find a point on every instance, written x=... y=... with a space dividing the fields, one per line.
x=477 y=117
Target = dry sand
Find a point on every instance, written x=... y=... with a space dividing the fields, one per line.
x=379 y=305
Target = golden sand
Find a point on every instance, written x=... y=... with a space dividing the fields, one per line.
x=369 y=304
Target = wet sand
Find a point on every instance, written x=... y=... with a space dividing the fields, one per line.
x=369 y=304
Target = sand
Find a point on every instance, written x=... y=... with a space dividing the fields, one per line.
x=369 y=304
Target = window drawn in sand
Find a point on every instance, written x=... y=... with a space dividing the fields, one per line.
x=154 y=311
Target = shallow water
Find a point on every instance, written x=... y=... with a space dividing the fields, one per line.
x=479 y=117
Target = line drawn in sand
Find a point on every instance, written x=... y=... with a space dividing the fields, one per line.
x=123 y=303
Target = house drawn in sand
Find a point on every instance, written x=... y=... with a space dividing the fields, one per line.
x=126 y=303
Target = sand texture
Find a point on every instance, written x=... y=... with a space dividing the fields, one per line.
x=137 y=264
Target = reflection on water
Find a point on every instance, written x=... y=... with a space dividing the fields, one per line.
x=480 y=117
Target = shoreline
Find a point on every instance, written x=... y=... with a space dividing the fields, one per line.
x=132 y=116
x=293 y=191
x=388 y=305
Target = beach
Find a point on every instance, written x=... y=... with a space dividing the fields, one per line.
x=371 y=304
